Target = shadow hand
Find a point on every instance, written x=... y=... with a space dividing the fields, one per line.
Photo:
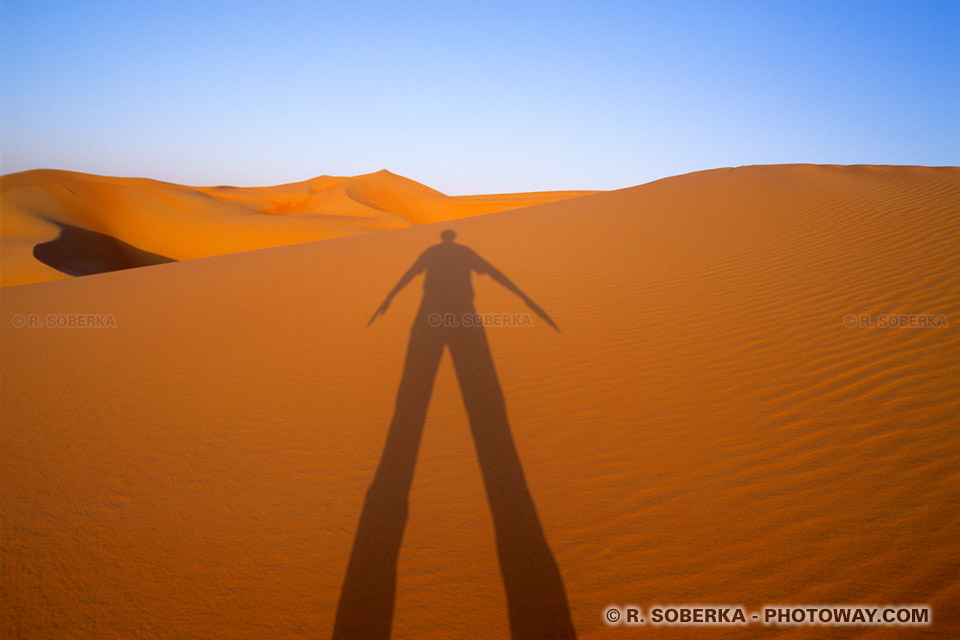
x=540 y=312
x=380 y=311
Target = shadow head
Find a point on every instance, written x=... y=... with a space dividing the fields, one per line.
x=448 y=235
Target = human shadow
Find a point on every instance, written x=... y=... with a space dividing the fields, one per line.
x=536 y=599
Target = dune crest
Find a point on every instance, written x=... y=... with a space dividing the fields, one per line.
x=183 y=222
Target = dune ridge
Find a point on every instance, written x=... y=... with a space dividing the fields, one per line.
x=707 y=427
x=184 y=222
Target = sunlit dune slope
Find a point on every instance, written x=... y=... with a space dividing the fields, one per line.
x=708 y=427
x=180 y=222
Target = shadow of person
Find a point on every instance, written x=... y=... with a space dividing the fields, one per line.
x=536 y=600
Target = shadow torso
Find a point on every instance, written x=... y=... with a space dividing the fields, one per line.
x=446 y=286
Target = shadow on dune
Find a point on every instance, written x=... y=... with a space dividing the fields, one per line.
x=536 y=599
x=81 y=252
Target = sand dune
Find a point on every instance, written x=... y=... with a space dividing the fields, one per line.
x=707 y=427
x=183 y=222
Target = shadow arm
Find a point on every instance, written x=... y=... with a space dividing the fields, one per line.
x=495 y=273
x=405 y=279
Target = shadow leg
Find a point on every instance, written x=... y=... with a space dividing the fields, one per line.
x=536 y=599
x=366 y=602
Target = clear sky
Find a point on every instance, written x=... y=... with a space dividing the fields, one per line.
x=474 y=97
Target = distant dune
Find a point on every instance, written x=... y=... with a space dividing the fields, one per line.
x=726 y=415
x=178 y=222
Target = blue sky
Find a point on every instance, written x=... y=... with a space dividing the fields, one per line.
x=474 y=97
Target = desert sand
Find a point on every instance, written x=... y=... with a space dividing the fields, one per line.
x=707 y=425
x=175 y=222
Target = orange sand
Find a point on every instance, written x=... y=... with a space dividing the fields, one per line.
x=192 y=222
x=705 y=429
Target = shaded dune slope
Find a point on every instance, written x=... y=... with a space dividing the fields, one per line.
x=80 y=252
